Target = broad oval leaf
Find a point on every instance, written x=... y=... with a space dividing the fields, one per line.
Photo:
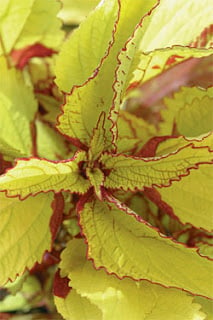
x=24 y=233
x=124 y=244
x=191 y=198
x=32 y=176
x=123 y=299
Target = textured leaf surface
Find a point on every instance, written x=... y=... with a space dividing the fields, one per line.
x=76 y=307
x=191 y=198
x=15 y=121
x=190 y=112
x=32 y=176
x=131 y=173
x=133 y=132
x=28 y=22
x=24 y=233
x=123 y=299
x=123 y=244
x=86 y=46
x=165 y=26
x=98 y=141
x=85 y=104
x=96 y=177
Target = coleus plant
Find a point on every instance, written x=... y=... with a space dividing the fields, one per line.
x=141 y=192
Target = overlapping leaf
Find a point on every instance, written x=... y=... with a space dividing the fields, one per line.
x=132 y=172
x=191 y=198
x=165 y=26
x=122 y=299
x=151 y=64
x=124 y=244
x=24 y=233
x=85 y=104
x=189 y=112
x=133 y=132
x=83 y=51
x=76 y=307
x=17 y=108
x=207 y=306
x=29 y=22
x=32 y=176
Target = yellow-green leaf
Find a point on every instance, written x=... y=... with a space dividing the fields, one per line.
x=17 y=109
x=86 y=102
x=191 y=198
x=189 y=112
x=98 y=141
x=74 y=12
x=24 y=233
x=133 y=132
x=50 y=144
x=32 y=176
x=81 y=54
x=123 y=299
x=96 y=178
x=124 y=244
x=8 y=151
x=136 y=173
x=175 y=23
x=24 y=23
x=207 y=306
x=76 y=307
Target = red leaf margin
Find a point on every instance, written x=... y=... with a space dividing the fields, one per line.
x=139 y=219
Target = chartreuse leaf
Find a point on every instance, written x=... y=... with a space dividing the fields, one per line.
x=50 y=144
x=133 y=132
x=23 y=24
x=32 y=176
x=207 y=306
x=191 y=198
x=24 y=233
x=151 y=64
x=124 y=244
x=165 y=27
x=73 y=12
x=86 y=46
x=15 y=121
x=190 y=112
x=133 y=172
x=8 y=151
x=76 y=307
x=192 y=202
x=85 y=103
x=123 y=299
